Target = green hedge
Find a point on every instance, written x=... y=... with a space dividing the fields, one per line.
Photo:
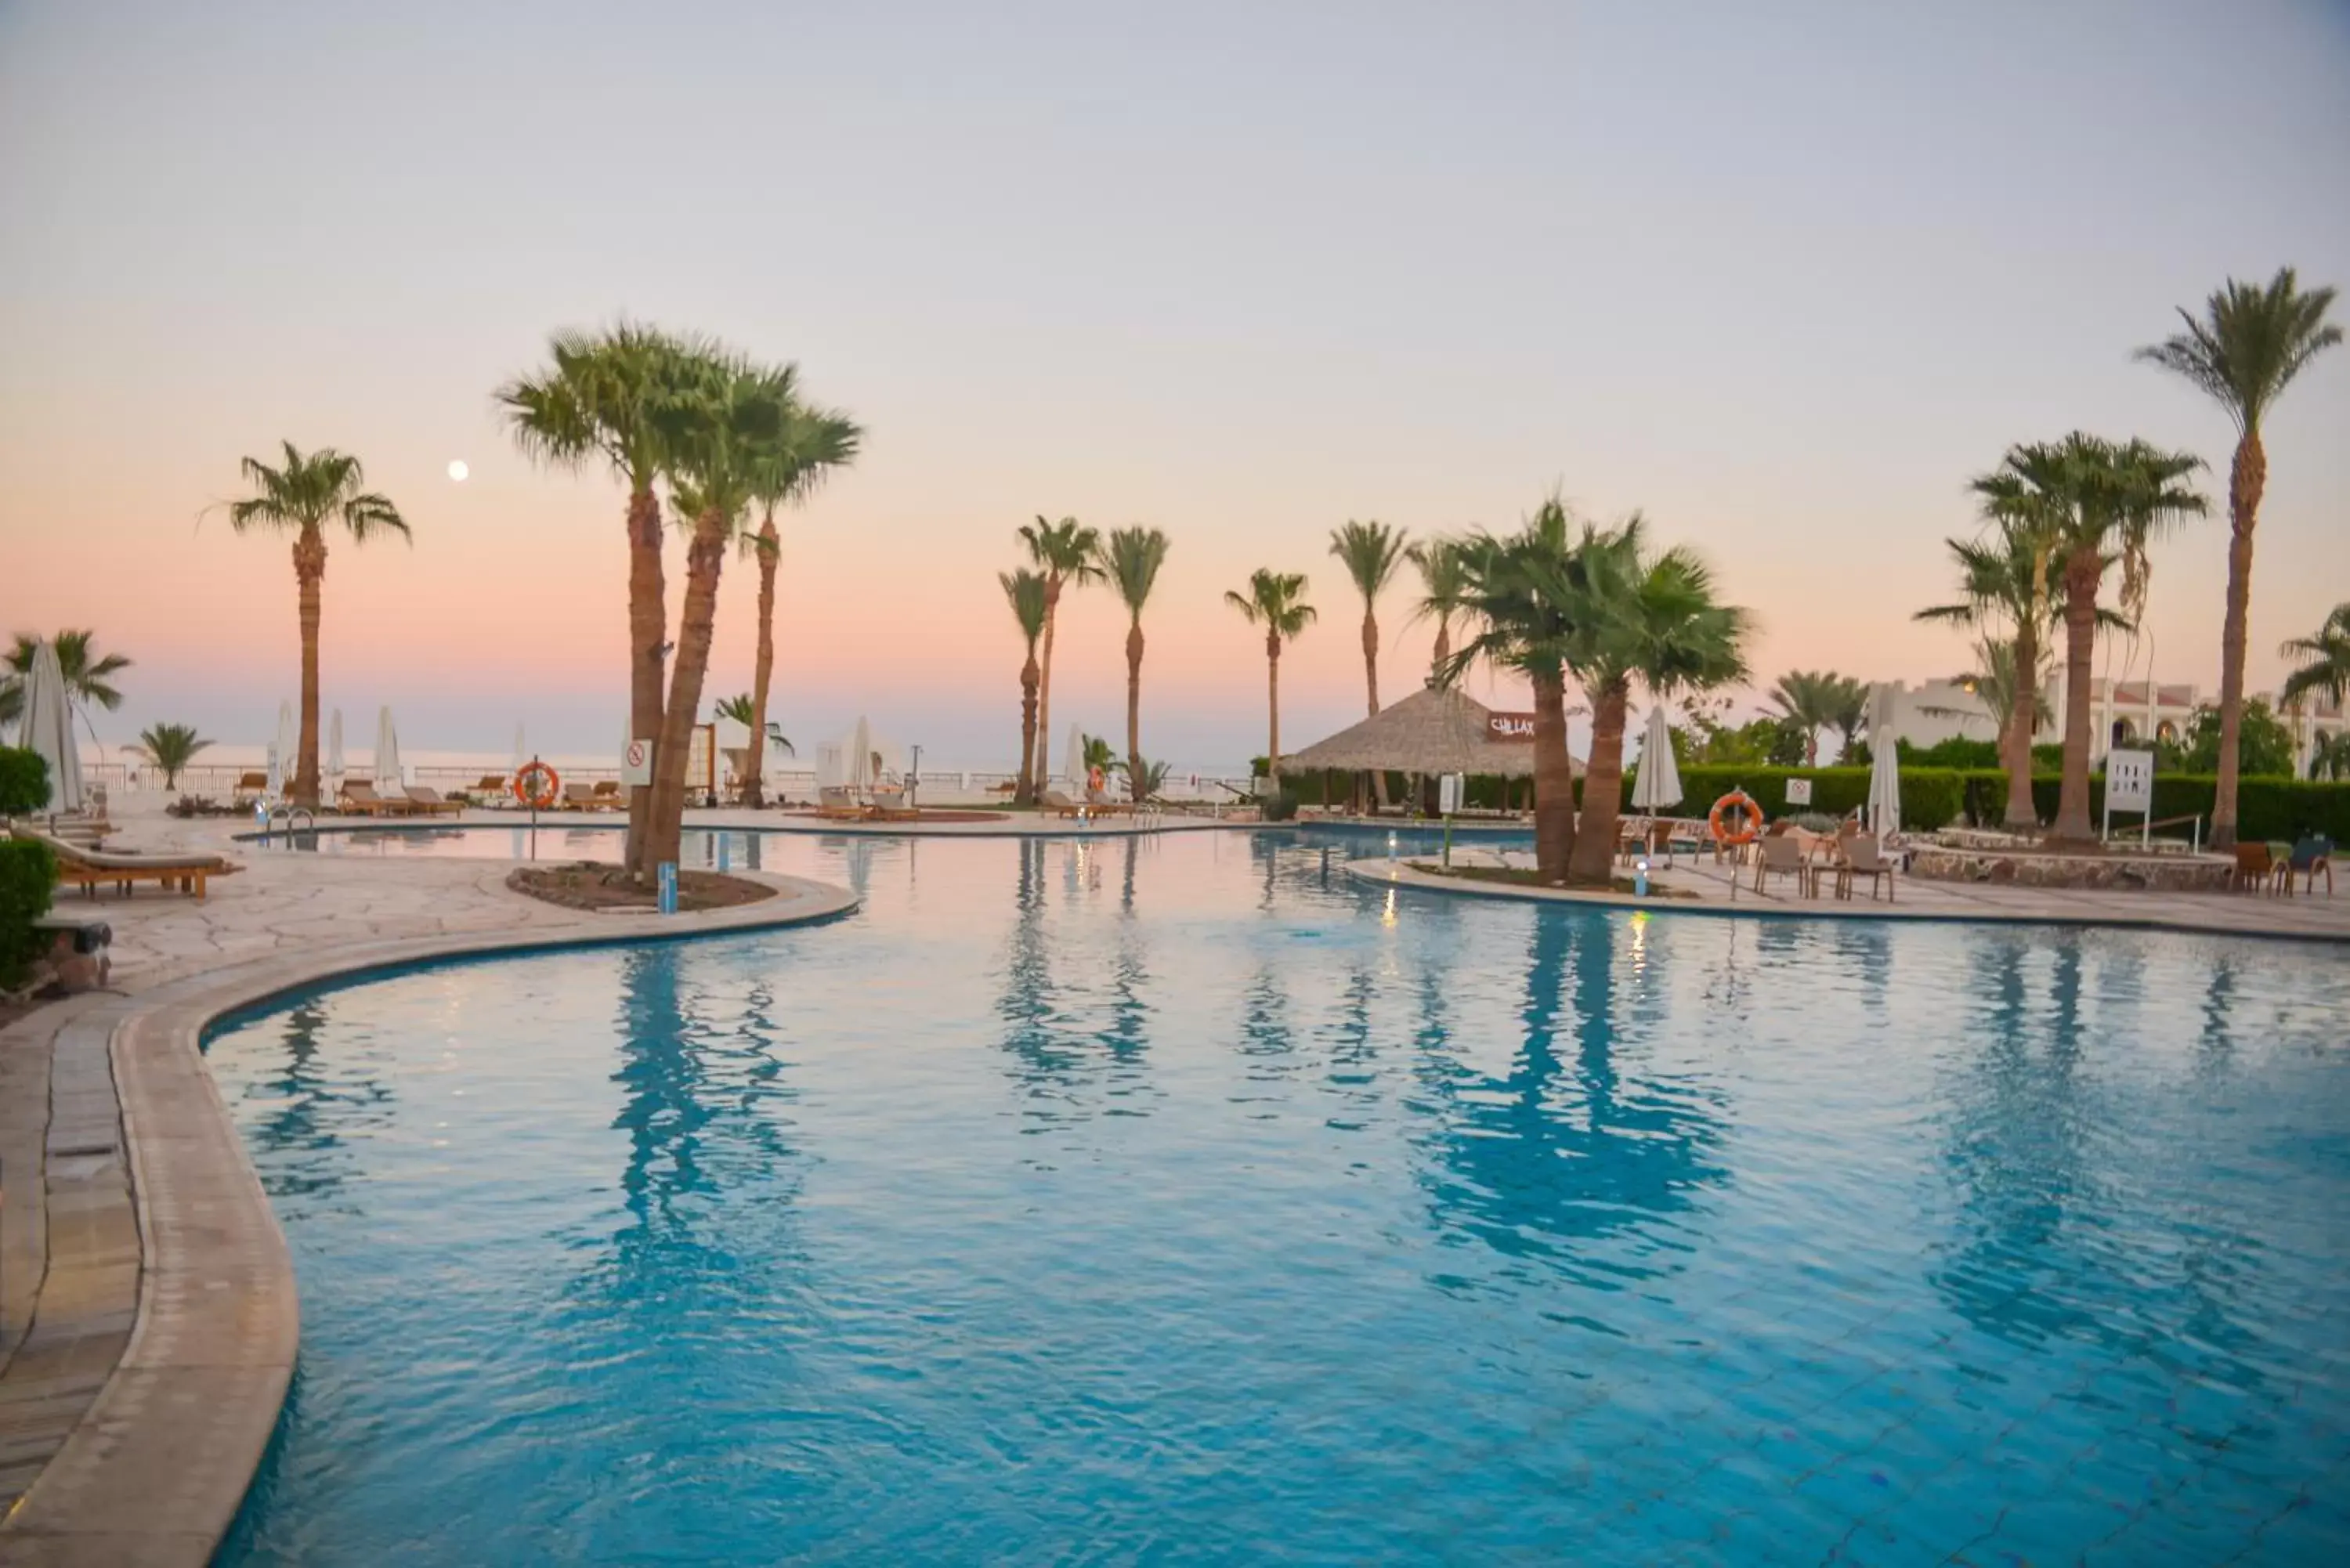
x=1930 y=797
x=28 y=875
x=2266 y=808
x=23 y=782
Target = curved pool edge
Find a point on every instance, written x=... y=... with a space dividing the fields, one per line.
x=1404 y=875
x=179 y=1260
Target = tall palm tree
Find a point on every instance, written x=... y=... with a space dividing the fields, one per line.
x=171 y=747
x=1275 y=601
x=1444 y=583
x=89 y=676
x=2243 y=351
x=2109 y=501
x=310 y=492
x=1525 y=590
x=1651 y=617
x=2329 y=758
x=816 y=444
x=743 y=709
x=1065 y=552
x=721 y=442
x=2326 y=660
x=1813 y=699
x=1025 y=591
x=1370 y=551
x=1130 y=559
x=604 y=396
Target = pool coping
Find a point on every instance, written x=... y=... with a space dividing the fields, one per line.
x=160 y=1344
x=1404 y=875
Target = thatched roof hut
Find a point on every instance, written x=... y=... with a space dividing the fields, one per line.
x=1435 y=731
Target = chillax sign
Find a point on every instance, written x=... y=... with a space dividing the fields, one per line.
x=1511 y=727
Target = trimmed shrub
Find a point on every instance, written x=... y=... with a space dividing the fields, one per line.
x=28 y=875
x=1280 y=806
x=2266 y=808
x=1930 y=797
x=23 y=782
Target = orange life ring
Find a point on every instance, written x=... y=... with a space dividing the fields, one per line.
x=1750 y=816
x=1095 y=779
x=536 y=786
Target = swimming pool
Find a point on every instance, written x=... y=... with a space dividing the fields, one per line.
x=1181 y=1200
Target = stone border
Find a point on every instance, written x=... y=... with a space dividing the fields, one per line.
x=1404 y=874
x=1009 y=827
x=164 y=1335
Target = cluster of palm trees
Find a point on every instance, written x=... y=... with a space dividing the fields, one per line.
x=2323 y=669
x=2061 y=515
x=706 y=438
x=1817 y=700
x=1061 y=556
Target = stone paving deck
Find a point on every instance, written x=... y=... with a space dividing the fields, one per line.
x=147 y=1320
x=2318 y=919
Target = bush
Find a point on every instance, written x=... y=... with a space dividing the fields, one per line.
x=23 y=782
x=1930 y=797
x=1957 y=752
x=2266 y=808
x=28 y=875
x=1279 y=806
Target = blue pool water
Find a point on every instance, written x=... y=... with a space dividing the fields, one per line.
x=1181 y=1200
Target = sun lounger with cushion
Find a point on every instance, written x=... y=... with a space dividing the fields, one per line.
x=839 y=802
x=608 y=795
x=430 y=800
x=360 y=799
x=579 y=797
x=82 y=866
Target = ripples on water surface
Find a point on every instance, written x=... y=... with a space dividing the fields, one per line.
x=1180 y=1200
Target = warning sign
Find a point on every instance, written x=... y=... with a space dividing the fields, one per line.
x=636 y=765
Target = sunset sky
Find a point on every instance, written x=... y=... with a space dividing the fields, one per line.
x=1783 y=276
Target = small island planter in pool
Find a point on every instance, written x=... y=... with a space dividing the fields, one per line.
x=1188 y=1201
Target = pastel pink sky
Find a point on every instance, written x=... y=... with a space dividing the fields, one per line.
x=1782 y=283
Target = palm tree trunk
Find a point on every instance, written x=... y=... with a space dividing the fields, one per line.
x=1603 y=788
x=2023 y=724
x=763 y=671
x=310 y=575
x=1273 y=708
x=1045 y=682
x=1554 y=783
x=1371 y=686
x=705 y=558
x=2082 y=573
x=1029 y=681
x=647 y=620
x=1443 y=651
x=2246 y=480
x=1134 y=779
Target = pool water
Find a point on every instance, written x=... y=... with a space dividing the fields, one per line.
x=1181 y=1200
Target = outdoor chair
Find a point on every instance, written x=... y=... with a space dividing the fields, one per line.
x=81 y=867
x=430 y=800
x=1782 y=854
x=358 y=797
x=607 y=796
x=1055 y=801
x=2255 y=867
x=579 y=797
x=250 y=787
x=1863 y=857
x=2312 y=853
x=839 y=802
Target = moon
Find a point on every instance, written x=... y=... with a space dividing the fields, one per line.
x=458 y=471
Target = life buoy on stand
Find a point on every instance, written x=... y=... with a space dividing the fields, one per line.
x=1748 y=814
x=1095 y=779
x=536 y=786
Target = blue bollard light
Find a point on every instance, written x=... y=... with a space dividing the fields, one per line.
x=1640 y=878
x=668 y=878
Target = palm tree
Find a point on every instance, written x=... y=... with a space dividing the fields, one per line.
x=1814 y=701
x=1849 y=715
x=88 y=676
x=1143 y=778
x=2327 y=666
x=1275 y=601
x=2329 y=758
x=1649 y=617
x=1025 y=591
x=169 y=747
x=1444 y=582
x=2105 y=503
x=1370 y=551
x=818 y=443
x=722 y=441
x=2004 y=584
x=605 y=395
x=311 y=491
x=1130 y=559
x=1066 y=552
x=744 y=710
x=2243 y=351
x=1525 y=590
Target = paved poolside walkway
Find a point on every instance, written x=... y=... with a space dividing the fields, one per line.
x=2318 y=919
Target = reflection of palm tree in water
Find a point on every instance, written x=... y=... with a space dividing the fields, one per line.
x=316 y=1110
x=1053 y=1056
x=1565 y=1152
x=699 y=1109
x=2037 y=1258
